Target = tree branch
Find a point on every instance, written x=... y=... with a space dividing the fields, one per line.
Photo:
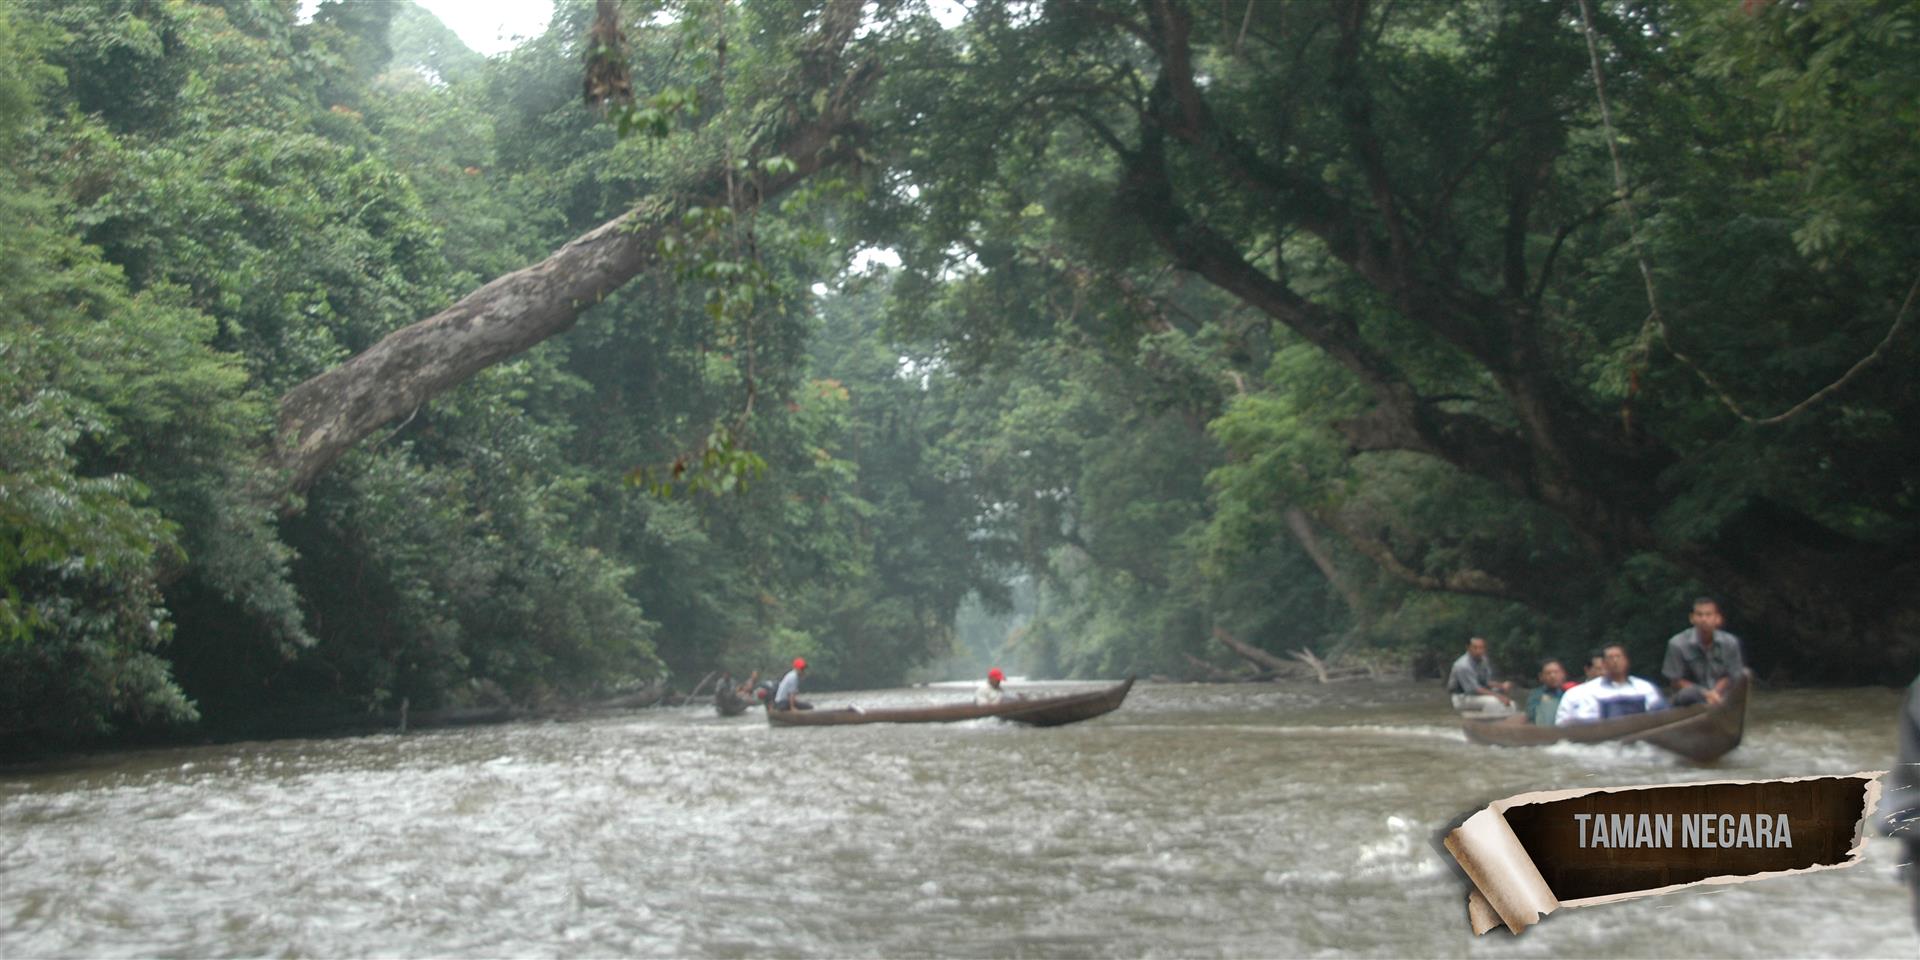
x=1470 y=582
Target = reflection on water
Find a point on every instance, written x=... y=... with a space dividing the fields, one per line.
x=1196 y=821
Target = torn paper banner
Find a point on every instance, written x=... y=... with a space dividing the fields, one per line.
x=1532 y=854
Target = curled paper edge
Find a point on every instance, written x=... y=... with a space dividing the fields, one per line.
x=1504 y=877
x=1509 y=889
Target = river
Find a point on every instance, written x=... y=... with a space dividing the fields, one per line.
x=1255 y=821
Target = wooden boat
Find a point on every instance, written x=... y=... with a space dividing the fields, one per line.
x=729 y=703
x=1700 y=732
x=1037 y=711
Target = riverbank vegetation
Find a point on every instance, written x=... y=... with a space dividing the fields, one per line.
x=342 y=368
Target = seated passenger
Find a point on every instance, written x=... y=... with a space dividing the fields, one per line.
x=1543 y=702
x=990 y=692
x=1614 y=694
x=1596 y=667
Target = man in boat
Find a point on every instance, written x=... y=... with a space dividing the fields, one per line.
x=745 y=690
x=1596 y=665
x=1614 y=694
x=1471 y=684
x=1703 y=659
x=990 y=692
x=787 y=697
x=1543 y=703
x=1901 y=804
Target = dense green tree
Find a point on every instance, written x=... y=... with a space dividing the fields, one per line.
x=93 y=376
x=1423 y=194
x=1335 y=326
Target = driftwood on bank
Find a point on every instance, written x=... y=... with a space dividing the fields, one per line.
x=1300 y=663
x=1255 y=655
x=1328 y=673
x=694 y=694
x=1213 y=673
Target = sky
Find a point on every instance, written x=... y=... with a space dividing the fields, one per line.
x=486 y=26
x=490 y=26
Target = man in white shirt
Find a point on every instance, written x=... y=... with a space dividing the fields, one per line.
x=990 y=691
x=1612 y=694
x=787 y=697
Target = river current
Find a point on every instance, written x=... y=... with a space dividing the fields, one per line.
x=1242 y=821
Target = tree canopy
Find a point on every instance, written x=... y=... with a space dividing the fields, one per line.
x=344 y=368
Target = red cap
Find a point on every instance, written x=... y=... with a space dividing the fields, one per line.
x=799 y=663
x=995 y=675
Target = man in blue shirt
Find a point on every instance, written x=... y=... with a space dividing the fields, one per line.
x=1615 y=694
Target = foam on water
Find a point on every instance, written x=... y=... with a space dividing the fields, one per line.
x=1239 y=821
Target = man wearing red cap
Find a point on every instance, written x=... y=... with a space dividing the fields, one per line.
x=788 y=696
x=990 y=691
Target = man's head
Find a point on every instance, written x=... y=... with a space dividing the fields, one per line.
x=1596 y=665
x=1615 y=658
x=995 y=677
x=1706 y=617
x=800 y=663
x=1477 y=647
x=1553 y=673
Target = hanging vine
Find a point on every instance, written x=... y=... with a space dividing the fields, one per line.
x=1656 y=324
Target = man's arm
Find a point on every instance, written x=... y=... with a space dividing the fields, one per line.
x=1736 y=664
x=1657 y=702
x=1674 y=668
x=1461 y=679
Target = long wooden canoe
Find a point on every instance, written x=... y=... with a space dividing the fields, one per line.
x=1699 y=732
x=1037 y=711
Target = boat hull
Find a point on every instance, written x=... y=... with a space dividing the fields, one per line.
x=1700 y=732
x=1038 y=712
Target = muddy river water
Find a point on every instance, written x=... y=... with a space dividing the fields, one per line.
x=1243 y=821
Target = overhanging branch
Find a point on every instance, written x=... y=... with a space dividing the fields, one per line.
x=322 y=418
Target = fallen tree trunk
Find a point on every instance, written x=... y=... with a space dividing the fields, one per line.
x=1255 y=655
x=1214 y=674
x=322 y=418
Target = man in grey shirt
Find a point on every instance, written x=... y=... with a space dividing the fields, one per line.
x=1471 y=684
x=1703 y=660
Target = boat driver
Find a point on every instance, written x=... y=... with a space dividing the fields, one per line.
x=991 y=692
x=788 y=696
x=1703 y=659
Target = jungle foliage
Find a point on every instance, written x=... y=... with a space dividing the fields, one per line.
x=1319 y=325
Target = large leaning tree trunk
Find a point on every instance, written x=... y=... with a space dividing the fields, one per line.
x=1821 y=602
x=322 y=418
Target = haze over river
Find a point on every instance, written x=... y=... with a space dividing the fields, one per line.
x=1249 y=820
